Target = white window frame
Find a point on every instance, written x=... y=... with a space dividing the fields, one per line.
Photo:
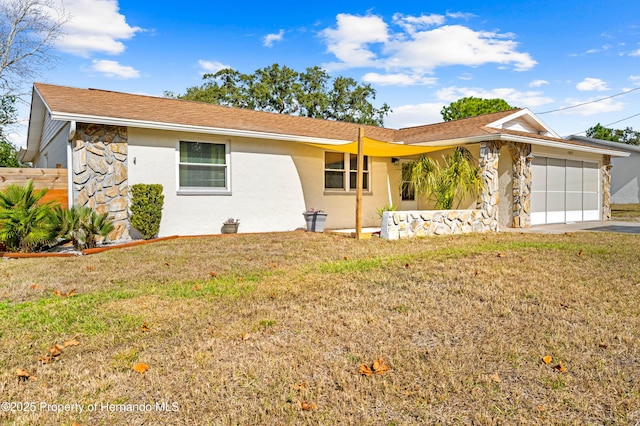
x=189 y=190
x=346 y=174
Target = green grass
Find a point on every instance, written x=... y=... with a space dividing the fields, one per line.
x=243 y=330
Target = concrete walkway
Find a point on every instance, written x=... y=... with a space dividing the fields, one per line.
x=595 y=226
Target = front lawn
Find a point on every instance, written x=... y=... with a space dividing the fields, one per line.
x=275 y=329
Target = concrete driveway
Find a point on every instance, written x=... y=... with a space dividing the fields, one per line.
x=595 y=226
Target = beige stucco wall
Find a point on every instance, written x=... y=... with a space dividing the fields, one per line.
x=272 y=183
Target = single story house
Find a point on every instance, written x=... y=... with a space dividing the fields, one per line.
x=217 y=162
x=625 y=174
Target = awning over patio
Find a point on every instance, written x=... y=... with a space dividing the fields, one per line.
x=375 y=148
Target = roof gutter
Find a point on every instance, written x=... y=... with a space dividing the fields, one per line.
x=523 y=139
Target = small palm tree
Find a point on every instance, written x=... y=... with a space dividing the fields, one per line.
x=83 y=226
x=455 y=179
x=26 y=224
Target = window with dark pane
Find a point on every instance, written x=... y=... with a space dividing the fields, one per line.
x=203 y=165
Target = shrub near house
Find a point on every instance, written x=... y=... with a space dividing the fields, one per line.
x=146 y=209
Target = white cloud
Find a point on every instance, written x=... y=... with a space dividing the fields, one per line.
x=529 y=99
x=349 y=41
x=211 y=66
x=411 y=24
x=635 y=53
x=538 y=83
x=114 y=69
x=606 y=105
x=414 y=115
x=635 y=79
x=269 y=39
x=460 y=15
x=591 y=84
x=398 y=79
x=95 y=26
x=416 y=47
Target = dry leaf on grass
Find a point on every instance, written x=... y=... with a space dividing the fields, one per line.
x=144 y=327
x=72 y=342
x=495 y=378
x=560 y=367
x=547 y=359
x=140 y=367
x=299 y=386
x=213 y=274
x=580 y=253
x=196 y=287
x=365 y=370
x=56 y=350
x=24 y=375
x=501 y=255
x=245 y=336
x=380 y=366
x=72 y=293
x=35 y=287
x=304 y=405
x=272 y=296
x=603 y=345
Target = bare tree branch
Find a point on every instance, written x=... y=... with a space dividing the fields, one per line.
x=28 y=29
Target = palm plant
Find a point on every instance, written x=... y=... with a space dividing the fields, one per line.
x=455 y=179
x=26 y=224
x=83 y=226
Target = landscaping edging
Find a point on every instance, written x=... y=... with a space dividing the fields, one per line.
x=86 y=251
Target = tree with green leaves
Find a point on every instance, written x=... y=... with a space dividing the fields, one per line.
x=312 y=93
x=471 y=107
x=8 y=151
x=456 y=178
x=626 y=135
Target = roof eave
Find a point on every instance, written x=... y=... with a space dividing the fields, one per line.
x=193 y=128
x=524 y=111
x=36 y=125
x=524 y=139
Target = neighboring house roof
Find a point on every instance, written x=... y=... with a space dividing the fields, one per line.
x=107 y=107
x=608 y=144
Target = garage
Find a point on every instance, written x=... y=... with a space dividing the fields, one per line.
x=564 y=190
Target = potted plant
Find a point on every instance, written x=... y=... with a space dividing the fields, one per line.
x=315 y=220
x=230 y=226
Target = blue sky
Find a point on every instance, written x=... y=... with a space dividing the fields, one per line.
x=419 y=55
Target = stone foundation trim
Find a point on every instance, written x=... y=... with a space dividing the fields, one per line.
x=421 y=223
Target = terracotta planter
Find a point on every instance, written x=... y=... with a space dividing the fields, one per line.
x=315 y=221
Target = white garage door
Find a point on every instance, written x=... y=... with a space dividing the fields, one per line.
x=564 y=191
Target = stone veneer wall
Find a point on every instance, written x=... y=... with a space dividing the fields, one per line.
x=606 y=187
x=488 y=162
x=521 y=182
x=414 y=223
x=100 y=173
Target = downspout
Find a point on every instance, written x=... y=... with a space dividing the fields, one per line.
x=72 y=136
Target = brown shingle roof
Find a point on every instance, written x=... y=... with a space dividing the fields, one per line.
x=103 y=103
x=464 y=128
x=126 y=106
